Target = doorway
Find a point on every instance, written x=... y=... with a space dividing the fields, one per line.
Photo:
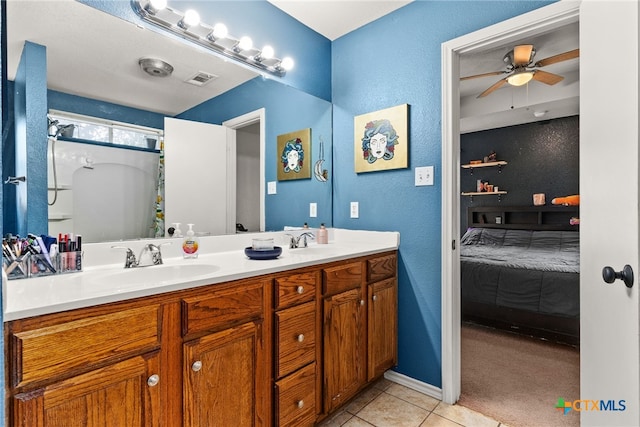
x=248 y=161
x=535 y=22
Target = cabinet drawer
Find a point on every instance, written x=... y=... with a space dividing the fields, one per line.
x=295 y=338
x=295 y=289
x=223 y=308
x=380 y=268
x=296 y=398
x=342 y=278
x=52 y=351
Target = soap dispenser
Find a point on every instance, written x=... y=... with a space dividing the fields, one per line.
x=190 y=244
x=177 y=232
x=323 y=235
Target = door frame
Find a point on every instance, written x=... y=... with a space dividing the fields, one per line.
x=238 y=123
x=540 y=20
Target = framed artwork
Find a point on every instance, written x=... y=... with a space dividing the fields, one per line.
x=294 y=155
x=381 y=139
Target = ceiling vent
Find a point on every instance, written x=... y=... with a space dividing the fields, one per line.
x=201 y=78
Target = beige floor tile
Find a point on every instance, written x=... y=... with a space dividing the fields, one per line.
x=464 y=416
x=389 y=411
x=412 y=396
x=434 y=420
x=357 y=422
x=383 y=383
x=363 y=399
x=336 y=420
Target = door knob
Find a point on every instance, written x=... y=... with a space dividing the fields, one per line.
x=626 y=275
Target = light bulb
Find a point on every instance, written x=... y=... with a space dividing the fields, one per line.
x=245 y=43
x=220 y=31
x=267 y=52
x=155 y=6
x=287 y=63
x=191 y=18
x=520 y=79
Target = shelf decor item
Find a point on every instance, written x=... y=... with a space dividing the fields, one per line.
x=381 y=140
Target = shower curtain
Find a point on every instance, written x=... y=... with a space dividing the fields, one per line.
x=159 y=217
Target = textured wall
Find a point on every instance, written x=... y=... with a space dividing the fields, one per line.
x=542 y=157
x=396 y=60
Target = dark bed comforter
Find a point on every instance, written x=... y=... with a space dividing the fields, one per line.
x=536 y=271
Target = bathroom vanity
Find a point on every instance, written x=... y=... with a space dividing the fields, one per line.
x=281 y=342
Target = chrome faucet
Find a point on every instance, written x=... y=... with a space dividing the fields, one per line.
x=295 y=241
x=155 y=256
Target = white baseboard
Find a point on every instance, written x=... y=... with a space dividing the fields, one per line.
x=414 y=384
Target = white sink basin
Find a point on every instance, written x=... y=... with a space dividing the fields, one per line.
x=159 y=274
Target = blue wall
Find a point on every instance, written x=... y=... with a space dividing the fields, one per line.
x=392 y=61
x=265 y=24
x=287 y=110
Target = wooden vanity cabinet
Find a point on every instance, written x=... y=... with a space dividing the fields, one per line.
x=344 y=333
x=382 y=315
x=296 y=326
x=102 y=368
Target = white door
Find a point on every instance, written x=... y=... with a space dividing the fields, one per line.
x=199 y=161
x=609 y=346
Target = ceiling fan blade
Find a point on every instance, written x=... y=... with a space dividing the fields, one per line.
x=495 y=86
x=547 y=78
x=522 y=54
x=493 y=73
x=558 y=58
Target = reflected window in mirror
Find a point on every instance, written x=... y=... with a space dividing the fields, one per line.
x=75 y=126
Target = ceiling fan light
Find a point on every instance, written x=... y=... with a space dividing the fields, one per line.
x=519 y=79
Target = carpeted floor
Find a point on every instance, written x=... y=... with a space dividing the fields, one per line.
x=516 y=379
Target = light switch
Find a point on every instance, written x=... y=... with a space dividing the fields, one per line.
x=313 y=210
x=424 y=176
x=271 y=187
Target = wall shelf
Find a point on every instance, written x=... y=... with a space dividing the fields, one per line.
x=60 y=217
x=472 y=194
x=484 y=165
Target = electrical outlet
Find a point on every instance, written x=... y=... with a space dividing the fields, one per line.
x=313 y=210
x=424 y=176
x=271 y=187
x=354 y=210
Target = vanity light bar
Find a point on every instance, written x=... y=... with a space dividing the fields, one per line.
x=188 y=28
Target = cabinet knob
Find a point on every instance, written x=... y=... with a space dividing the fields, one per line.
x=197 y=365
x=300 y=338
x=300 y=404
x=375 y=297
x=153 y=380
x=300 y=289
x=361 y=302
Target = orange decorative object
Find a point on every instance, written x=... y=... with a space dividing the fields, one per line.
x=567 y=201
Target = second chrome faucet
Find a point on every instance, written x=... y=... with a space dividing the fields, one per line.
x=149 y=255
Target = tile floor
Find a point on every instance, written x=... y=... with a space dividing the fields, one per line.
x=387 y=404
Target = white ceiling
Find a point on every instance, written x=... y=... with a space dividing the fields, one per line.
x=81 y=60
x=334 y=19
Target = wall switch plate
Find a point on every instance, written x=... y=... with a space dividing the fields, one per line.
x=424 y=176
x=271 y=187
x=313 y=210
x=354 y=210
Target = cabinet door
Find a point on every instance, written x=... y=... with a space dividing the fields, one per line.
x=124 y=394
x=382 y=327
x=344 y=347
x=221 y=378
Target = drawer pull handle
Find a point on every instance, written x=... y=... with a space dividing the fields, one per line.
x=300 y=404
x=375 y=297
x=153 y=380
x=300 y=289
x=300 y=338
x=197 y=365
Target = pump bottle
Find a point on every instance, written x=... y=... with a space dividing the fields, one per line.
x=190 y=244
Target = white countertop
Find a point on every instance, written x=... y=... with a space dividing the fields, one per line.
x=221 y=259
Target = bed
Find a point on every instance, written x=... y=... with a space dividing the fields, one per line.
x=522 y=274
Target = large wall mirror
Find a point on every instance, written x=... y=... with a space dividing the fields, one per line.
x=92 y=69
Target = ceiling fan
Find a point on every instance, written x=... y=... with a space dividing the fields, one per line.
x=521 y=69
